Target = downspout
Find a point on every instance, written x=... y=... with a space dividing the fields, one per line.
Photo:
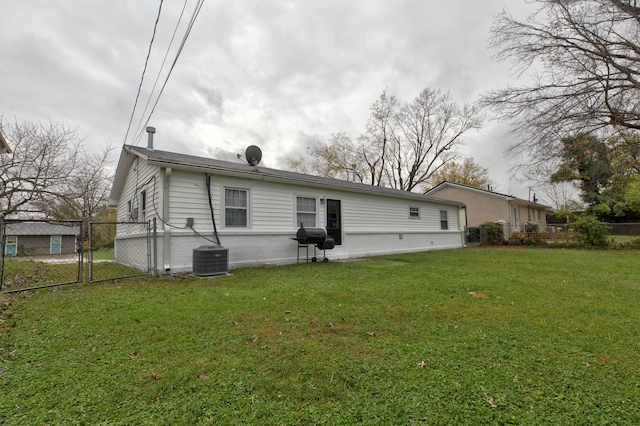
x=166 y=235
x=511 y=225
x=2 y=247
x=462 y=211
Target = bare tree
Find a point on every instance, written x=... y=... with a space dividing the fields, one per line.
x=583 y=58
x=430 y=127
x=333 y=159
x=85 y=192
x=49 y=174
x=374 y=143
x=402 y=145
x=43 y=158
x=558 y=195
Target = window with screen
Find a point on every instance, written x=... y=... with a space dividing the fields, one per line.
x=236 y=207
x=306 y=212
x=444 y=221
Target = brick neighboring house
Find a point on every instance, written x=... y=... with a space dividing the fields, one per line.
x=488 y=206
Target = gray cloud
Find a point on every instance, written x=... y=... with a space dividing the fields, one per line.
x=275 y=73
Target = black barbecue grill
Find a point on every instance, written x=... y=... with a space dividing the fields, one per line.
x=316 y=237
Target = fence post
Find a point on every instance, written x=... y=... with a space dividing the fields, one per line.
x=1 y=248
x=155 y=248
x=89 y=258
x=80 y=246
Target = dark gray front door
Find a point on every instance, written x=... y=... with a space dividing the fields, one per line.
x=334 y=220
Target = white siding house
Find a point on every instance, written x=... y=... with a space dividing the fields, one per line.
x=257 y=211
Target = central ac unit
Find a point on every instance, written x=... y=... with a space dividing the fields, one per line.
x=210 y=260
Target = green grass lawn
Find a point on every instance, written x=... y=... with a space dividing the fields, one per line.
x=23 y=273
x=103 y=254
x=624 y=238
x=470 y=336
x=20 y=273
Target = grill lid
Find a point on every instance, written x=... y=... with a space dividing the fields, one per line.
x=311 y=234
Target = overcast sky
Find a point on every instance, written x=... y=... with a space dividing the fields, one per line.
x=277 y=74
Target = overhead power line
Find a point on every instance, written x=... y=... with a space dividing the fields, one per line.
x=146 y=62
x=155 y=83
x=192 y=21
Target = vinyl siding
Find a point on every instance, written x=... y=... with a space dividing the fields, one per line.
x=363 y=213
x=141 y=177
x=371 y=223
x=188 y=196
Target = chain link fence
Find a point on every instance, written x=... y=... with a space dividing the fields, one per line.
x=559 y=233
x=624 y=229
x=38 y=253
x=46 y=253
x=127 y=256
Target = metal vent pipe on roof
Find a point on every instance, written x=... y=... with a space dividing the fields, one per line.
x=150 y=132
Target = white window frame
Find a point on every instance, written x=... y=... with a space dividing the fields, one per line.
x=237 y=208
x=444 y=220
x=51 y=244
x=306 y=212
x=414 y=212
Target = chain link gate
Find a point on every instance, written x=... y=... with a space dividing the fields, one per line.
x=47 y=253
x=118 y=250
x=40 y=253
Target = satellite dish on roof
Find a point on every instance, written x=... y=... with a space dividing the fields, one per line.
x=253 y=154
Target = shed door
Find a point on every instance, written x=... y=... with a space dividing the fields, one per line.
x=11 y=247
x=56 y=244
x=334 y=221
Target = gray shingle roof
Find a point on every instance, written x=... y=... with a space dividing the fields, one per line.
x=41 y=228
x=488 y=192
x=177 y=160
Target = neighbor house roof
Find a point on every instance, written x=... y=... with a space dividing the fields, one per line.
x=4 y=146
x=41 y=228
x=509 y=198
x=159 y=158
